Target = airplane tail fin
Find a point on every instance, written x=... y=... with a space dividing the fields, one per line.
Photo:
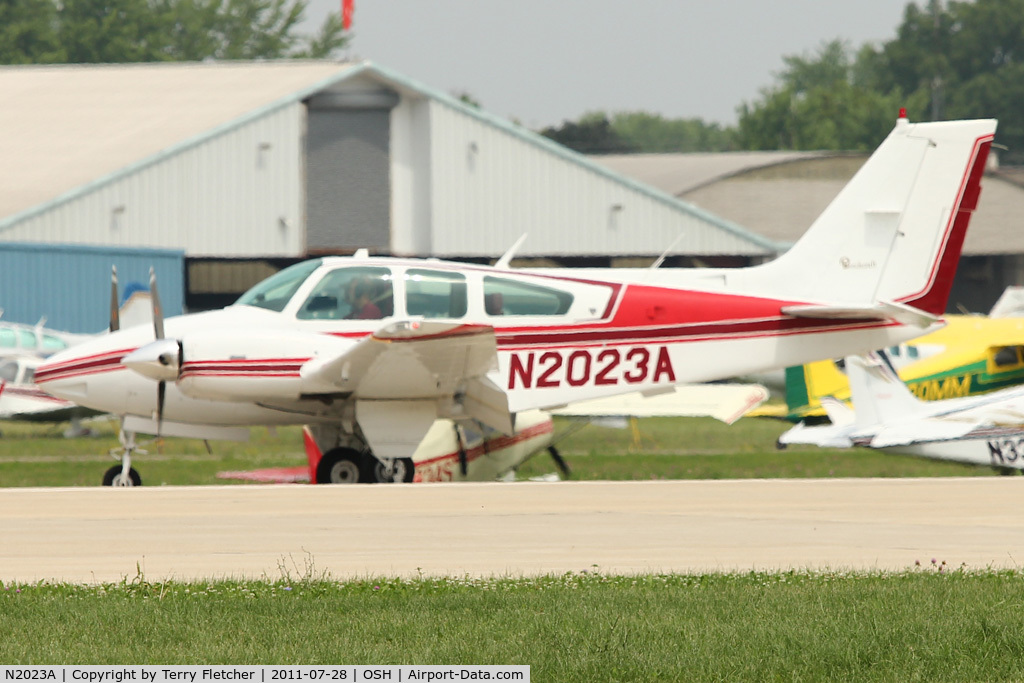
x=878 y=394
x=891 y=239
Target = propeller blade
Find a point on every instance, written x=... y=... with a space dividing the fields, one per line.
x=161 y=394
x=115 y=315
x=158 y=311
x=560 y=462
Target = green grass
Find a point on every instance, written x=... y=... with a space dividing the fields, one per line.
x=920 y=625
x=35 y=455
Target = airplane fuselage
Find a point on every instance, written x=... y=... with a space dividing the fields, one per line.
x=559 y=340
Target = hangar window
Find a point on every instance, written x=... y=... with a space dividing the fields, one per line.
x=362 y=293
x=276 y=291
x=435 y=293
x=511 y=297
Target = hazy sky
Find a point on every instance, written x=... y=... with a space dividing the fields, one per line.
x=545 y=61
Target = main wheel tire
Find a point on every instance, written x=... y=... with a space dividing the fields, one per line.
x=115 y=477
x=403 y=472
x=341 y=466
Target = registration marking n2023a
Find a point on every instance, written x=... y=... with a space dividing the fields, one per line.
x=593 y=367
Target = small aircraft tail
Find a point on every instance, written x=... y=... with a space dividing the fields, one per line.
x=889 y=243
x=877 y=392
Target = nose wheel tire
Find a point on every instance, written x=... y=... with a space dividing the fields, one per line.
x=115 y=477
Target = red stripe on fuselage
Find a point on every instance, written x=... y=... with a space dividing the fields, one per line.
x=90 y=365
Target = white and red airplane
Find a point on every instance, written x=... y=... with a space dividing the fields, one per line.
x=369 y=352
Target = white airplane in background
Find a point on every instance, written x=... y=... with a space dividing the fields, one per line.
x=19 y=340
x=986 y=429
x=370 y=352
x=21 y=399
x=467 y=451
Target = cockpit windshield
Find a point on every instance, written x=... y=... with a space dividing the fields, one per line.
x=276 y=291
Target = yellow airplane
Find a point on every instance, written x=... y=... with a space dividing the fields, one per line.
x=969 y=355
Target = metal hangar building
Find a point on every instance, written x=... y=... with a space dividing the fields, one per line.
x=238 y=168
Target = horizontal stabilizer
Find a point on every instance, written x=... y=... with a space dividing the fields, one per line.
x=922 y=431
x=877 y=311
x=725 y=402
x=825 y=436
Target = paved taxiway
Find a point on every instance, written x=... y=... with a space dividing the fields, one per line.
x=96 y=534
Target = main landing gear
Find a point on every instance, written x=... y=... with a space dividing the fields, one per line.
x=349 y=466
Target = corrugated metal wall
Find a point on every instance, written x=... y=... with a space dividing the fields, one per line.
x=238 y=194
x=70 y=285
x=490 y=186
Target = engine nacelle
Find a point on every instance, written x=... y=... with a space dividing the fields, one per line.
x=262 y=366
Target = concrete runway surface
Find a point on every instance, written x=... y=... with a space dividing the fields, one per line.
x=96 y=535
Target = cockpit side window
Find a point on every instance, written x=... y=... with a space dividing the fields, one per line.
x=511 y=297
x=360 y=293
x=9 y=371
x=8 y=339
x=53 y=344
x=276 y=291
x=435 y=293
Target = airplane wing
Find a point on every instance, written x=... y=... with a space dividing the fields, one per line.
x=28 y=403
x=725 y=402
x=408 y=374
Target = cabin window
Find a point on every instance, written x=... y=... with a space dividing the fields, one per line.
x=276 y=291
x=435 y=294
x=512 y=297
x=361 y=293
x=28 y=339
x=8 y=339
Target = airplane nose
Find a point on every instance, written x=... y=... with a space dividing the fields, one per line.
x=159 y=360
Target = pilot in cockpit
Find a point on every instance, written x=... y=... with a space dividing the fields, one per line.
x=360 y=296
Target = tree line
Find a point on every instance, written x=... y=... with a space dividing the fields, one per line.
x=119 y=31
x=947 y=61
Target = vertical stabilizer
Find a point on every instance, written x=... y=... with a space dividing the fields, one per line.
x=894 y=233
x=878 y=394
